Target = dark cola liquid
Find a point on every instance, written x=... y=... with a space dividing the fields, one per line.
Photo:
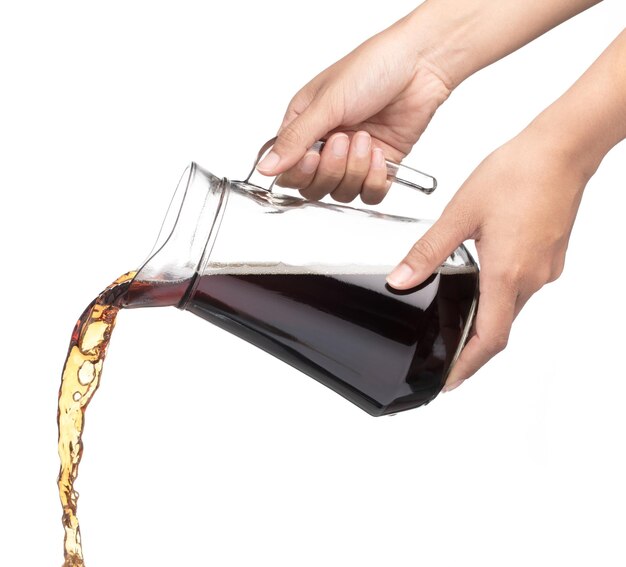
x=384 y=350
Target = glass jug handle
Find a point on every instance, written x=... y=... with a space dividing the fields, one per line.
x=396 y=172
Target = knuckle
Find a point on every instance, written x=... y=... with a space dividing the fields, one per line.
x=376 y=185
x=423 y=251
x=287 y=179
x=324 y=184
x=541 y=277
x=372 y=197
x=510 y=277
x=554 y=275
x=331 y=174
x=290 y=115
x=344 y=194
x=312 y=193
x=497 y=343
x=352 y=182
x=357 y=168
x=353 y=176
x=557 y=271
x=291 y=135
x=300 y=101
x=464 y=221
x=527 y=275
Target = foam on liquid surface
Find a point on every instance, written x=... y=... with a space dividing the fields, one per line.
x=280 y=268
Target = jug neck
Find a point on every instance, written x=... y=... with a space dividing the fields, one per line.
x=184 y=241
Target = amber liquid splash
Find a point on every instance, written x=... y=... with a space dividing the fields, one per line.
x=81 y=378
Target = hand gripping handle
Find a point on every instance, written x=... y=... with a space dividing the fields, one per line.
x=396 y=172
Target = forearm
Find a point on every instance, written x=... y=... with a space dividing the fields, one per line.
x=460 y=37
x=590 y=118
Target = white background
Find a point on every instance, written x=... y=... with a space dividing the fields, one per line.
x=234 y=458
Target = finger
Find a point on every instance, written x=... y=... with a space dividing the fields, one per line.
x=297 y=137
x=359 y=157
x=302 y=174
x=376 y=184
x=301 y=100
x=496 y=311
x=331 y=168
x=430 y=251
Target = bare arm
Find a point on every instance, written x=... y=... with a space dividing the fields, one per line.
x=388 y=89
x=521 y=202
x=462 y=37
x=590 y=118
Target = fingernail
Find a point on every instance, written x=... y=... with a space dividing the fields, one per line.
x=268 y=163
x=378 y=158
x=340 y=146
x=362 y=144
x=400 y=275
x=309 y=163
x=449 y=387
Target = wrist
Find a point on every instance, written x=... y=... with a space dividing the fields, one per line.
x=441 y=41
x=565 y=145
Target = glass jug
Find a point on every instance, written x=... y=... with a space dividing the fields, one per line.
x=305 y=281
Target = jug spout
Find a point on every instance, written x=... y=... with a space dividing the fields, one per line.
x=185 y=239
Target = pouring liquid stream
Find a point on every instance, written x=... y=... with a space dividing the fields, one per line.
x=81 y=378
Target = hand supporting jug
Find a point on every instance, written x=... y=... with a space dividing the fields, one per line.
x=305 y=281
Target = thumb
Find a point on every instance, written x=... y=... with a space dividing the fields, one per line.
x=295 y=138
x=430 y=251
